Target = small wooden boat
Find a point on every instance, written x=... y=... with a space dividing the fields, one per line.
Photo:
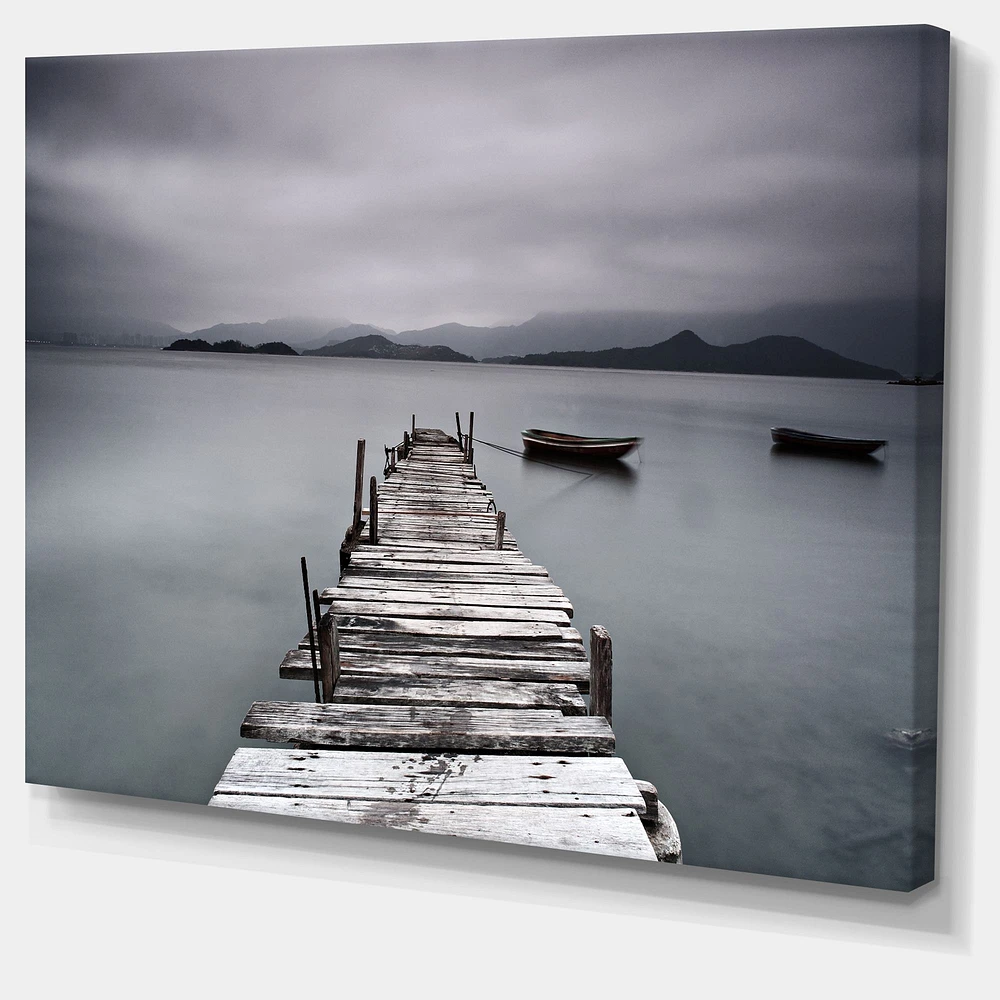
x=791 y=438
x=555 y=443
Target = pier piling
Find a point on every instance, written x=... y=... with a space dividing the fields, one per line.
x=600 y=672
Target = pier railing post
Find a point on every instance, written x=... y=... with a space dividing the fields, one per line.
x=359 y=479
x=413 y=426
x=392 y=460
x=458 y=425
x=406 y=444
x=329 y=655
x=373 y=511
x=309 y=625
x=600 y=672
x=501 y=524
x=468 y=452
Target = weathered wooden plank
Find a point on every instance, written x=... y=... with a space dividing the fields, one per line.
x=414 y=609
x=468 y=599
x=407 y=542
x=429 y=645
x=436 y=577
x=508 y=567
x=296 y=666
x=412 y=727
x=353 y=626
x=455 y=779
x=612 y=832
x=460 y=692
x=374 y=555
x=528 y=586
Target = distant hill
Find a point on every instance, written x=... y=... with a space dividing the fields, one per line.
x=375 y=345
x=899 y=334
x=687 y=352
x=349 y=331
x=301 y=331
x=230 y=347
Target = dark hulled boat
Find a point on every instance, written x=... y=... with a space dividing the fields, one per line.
x=791 y=438
x=555 y=443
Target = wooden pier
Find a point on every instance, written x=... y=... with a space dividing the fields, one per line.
x=449 y=683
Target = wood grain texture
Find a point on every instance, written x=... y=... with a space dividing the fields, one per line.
x=296 y=666
x=466 y=598
x=428 y=728
x=344 y=606
x=566 y=698
x=456 y=779
x=611 y=832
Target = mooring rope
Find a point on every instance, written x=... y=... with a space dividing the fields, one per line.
x=530 y=458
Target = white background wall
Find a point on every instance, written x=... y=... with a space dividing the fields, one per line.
x=127 y=897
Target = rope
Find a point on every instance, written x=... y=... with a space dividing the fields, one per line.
x=530 y=458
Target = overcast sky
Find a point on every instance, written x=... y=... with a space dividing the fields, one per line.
x=479 y=182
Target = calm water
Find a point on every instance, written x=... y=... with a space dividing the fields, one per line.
x=766 y=610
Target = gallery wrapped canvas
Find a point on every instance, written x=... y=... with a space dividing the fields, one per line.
x=531 y=441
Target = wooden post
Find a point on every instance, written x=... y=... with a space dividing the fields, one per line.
x=501 y=524
x=468 y=452
x=600 y=672
x=329 y=654
x=359 y=480
x=392 y=460
x=413 y=425
x=458 y=424
x=309 y=623
x=472 y=451
x=406 y=444
x=373 y=511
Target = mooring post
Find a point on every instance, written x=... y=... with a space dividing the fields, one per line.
x=501 y=524
x=309 y=623
x=329 y=653
x=600 y=672
x=458 y=424
x=359 y=479
x=373 y=511
x=472 y=420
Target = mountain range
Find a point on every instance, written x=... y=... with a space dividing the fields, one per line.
x=687 y=352
x=898 y=335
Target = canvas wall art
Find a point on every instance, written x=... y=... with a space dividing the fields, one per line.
x=530 y=441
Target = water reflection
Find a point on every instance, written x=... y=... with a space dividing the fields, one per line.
x=805 y=456
x=613 y=470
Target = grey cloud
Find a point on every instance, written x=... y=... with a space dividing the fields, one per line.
x=409 y=185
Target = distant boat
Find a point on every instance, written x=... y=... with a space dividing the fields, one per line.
x=916 y=380
x=791 y=438
x=572 y=444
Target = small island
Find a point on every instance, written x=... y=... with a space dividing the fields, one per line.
x=375 y=345
x=231 y=347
